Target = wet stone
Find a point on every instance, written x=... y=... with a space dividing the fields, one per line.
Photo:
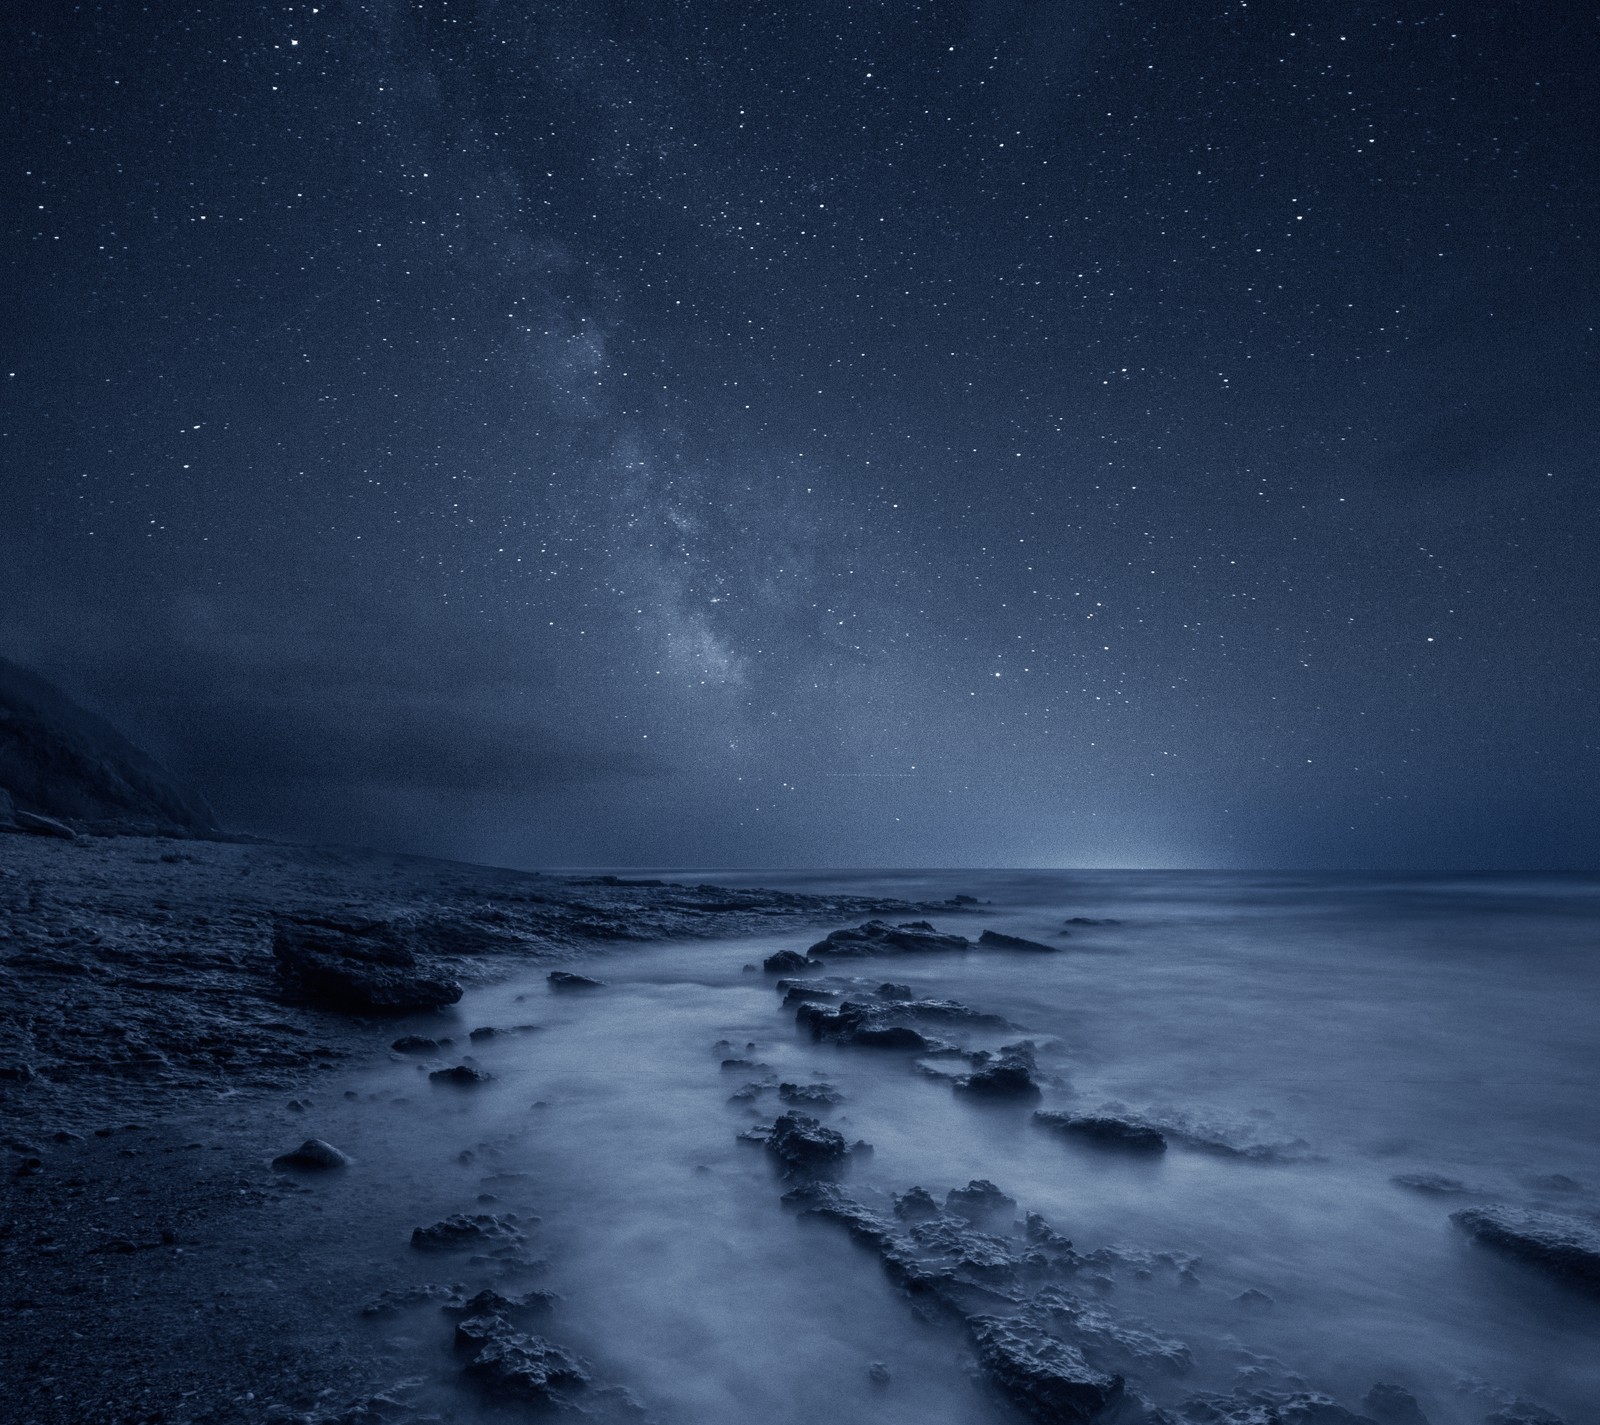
x=314 y=1155
x=1008 y=1074
x=1105 y=1131
x=567 y=980
x=460 y=1076
x=465 y=1231
x=1565 y=1247
x=998 y=941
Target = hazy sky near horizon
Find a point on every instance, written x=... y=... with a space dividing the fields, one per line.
x=990 y=433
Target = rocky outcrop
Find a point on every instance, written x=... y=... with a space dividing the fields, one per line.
x=466 y=1231
x=804 y=1147
x=1042 y=1375
x=879 y=937
x=1105 y=1130
x=997 y=941
x=1565 y=1247
x=566 y=980
x=357 y=966
x=1009 y=1073
x=60 y=763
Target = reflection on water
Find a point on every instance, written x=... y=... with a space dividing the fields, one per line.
x=1348 y=1029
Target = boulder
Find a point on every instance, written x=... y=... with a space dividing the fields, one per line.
x=356 y=966
x=855 y=1022
x=1564 y=1247
x=566 y=980
x=459 y=1076
x=418 y=1044
x=789 y=962
x=803 y=1145
x=313 y=1155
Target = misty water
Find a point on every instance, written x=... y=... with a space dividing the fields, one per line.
x=1308 y=1038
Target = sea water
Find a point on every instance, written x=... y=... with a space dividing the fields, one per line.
x=1307 y=1039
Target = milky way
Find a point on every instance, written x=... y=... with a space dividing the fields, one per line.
x=715 y=433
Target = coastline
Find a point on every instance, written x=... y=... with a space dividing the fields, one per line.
x=152 y=1064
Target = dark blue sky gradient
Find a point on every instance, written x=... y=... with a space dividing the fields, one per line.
x=921 y=434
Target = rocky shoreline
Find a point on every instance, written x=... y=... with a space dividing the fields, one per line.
x=169 y=1005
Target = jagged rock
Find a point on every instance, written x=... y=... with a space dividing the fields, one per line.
x=853 y=1022
x=915 y=1205
x=492 y=1303
x=1044 y=1377
x=566 y=980
x=789 y=962
x=359 y=966
x=60 y=763
x=1392 y=1405
x=803 y=994
x=890 y=990
x=313 y=1155
x=803 y=1145
x=460 y=1232
x=460 y=1075
x=981 y=1202
x=1522 y=1412
x=878 y=937
x=1565 y=1247
x=1105 y=1130
x=809 y=1093
x=419 y=1044
x=518 y=1367
x=1008 y=1074
x=489 y=1031
x=1012 y=942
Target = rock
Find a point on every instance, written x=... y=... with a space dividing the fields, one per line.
x=314 y=1155
x=803 y=1145
x=1522 y=1412
x=458 y=1233
x=518 y=1367
x=1087 y=920
x=1252 y=1300
x=1106 y=1131
x=1565 y=1247
x=1433 y=1183
x=566 y=980
x=963 y=900
x=1391 y=1405
x=809 y=1093
x=358 y=966
x=42 y=825
x=981 y=1203
x=491 y=1303
x=489 y=1031
x=1047 y=1379
x=1009 y=1074
x=1012 y=942
x=915 y=1205
x=878 y=1373
x=853 y=1022
x=460 y=1075
x=790 y=962
x=419 y=1044
x=1553 y=1182
x=878 y=937
x=60 y=763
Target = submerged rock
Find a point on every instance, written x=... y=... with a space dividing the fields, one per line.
x=1434 y=1183
x=419 y=1044
x=981 y=1202
x=460 y=1075
x=1565 y=1247
x=566 y=980
x=789 y=962
x=809 y=1093
x=358 y=966
x=514 y=1366
x=878 y=937
x=1012 y=942
x=1008 y=1074
x=1393 y=1405
x=1269 y=1408
x=463 y=1231
x=313 y=1155
x=1105 y=1130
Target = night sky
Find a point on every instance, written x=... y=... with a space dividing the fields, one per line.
x=696 y=433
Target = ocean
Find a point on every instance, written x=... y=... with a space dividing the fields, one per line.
x=1338 y=1062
